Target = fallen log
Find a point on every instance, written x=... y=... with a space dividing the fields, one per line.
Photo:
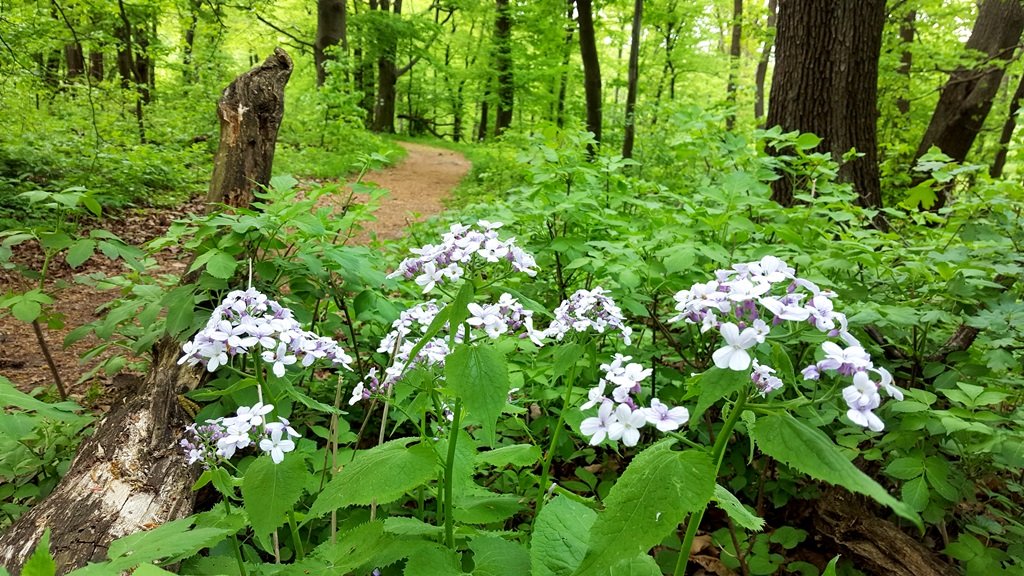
x=131 y=475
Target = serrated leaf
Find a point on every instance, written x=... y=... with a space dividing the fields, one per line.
x=915 y=493
x=559 y=539
x=728 y=502
x=269 y=491
x=516 y=455
x=79 y=252
x=433 y=561
x=173 y=539
x=221 y=265
x=905 y=468
x=494 y=556
x=180 y=305
x=642 y=565
x=715 y=384
x=383 y=473
x=651 y=498
x=26 y=310
x=808 y=450
x=40 y=563
x=362 y=546
x=479 y=377
x=410 y=527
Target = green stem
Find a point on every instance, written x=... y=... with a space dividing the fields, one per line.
x=546 y=466
x=296 y=539
x=717 y=454
x=449 y=466
x=236 y=546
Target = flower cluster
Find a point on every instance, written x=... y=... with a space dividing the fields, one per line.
x=247 y=319
x=588 y=310
x=619 y=417
x=222 y=437
x=744 y=303
x=438 y=264
x=506 y=316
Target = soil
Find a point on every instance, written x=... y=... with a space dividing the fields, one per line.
x=417 y=186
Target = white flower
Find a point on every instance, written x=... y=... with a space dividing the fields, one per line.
x=276 y=446
x=845 y=361
x=279 y=358
x=665 y=418
x=627 y=425
x=764 y=378
x=595 y=396
x=734 y=355
x=597 y=426
x=247 y=417
x=430 y=277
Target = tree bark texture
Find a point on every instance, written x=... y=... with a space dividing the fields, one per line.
x=734 y=63
x=761 y=72
x=996 y=170
x=250 y=111
x=632 y=80
x=75 y=59
x=967 y=97
x=503 y=66
x=387 y=77
x=826 y=82
x=907 y=24
x=331 y=25
x=129 y=475
x=591 y=67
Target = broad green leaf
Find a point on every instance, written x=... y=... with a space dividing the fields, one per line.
x=494 y=556
x=61 y=411
x=655 y=493
x=382 y=474
x=560 y=536
x=915 y=493
x=566 y=356
x=642 y=565
x=807 y=141
x=366 y=546
x=404 y=526
x=180 y=304
x=221 y=265
x=151 y=570
x=433 y=561
x=479 y=377
x=270 y=491
x=715 y=384
x=174 y=539
x=735 y=509
x=484 y=507
x=808 y=450
x=460 y=307
x=517 y=455
x=79 y=252
x=26 y=310
x=40 y=563
x=905 y=468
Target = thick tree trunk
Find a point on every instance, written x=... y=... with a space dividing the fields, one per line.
x=632 y=81
x=132 y=473
x=250 y=111
x=74 y=57
x=1007 y=133
x=331 y=31
x=481 y=128
x=734 y=63
x=96 y=66
x=762 y=63
x=503 y=66
x=187 y=68
x=387 y=76
x=826 y=80
x=591 y=68
x=967 y=97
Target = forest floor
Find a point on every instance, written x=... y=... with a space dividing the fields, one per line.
x=417 y=186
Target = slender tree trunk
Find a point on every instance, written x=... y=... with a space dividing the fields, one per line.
x=734 y=63
x=331 y=31
x=187 y=68
x=1006 y=135
x=591 y=69
x=563 y=78
x=826 y=80
x=762 y=63
x=387 y=77
x=74 y=57
x=96 y=66
x=906 y=59
x=634 y=73
x=503 y=65
x=967 y=97
x=481 y=130
x=128 y=66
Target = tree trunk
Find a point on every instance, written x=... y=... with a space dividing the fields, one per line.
x=734 y=63
x=826 y=80
x=906 y=59
x=967 y=97
x=250 y=111
x=503 y=65
x=331 y=31
x=634 y=72
x=74 y=57
x=481 y=129
x=591 y=69
x=387 y=77
x=762 y=63
x=187 y=68
x=96 y=66
x=1006 y=135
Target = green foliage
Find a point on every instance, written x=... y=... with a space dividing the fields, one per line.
x=361 y=482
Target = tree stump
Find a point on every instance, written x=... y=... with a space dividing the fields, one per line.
x=132 y=475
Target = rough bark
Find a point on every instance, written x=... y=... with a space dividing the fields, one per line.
x=632 y=80
x=250 y=111
x=967 y=97
x=129 y=475
x=875 y=545
x=563 y=77
x=481 y=128
x=387 y=77
x=734 y=63
x=75 y=59
x=996 y=170
x=331 y=31
x=826 y=80
x=591 y=68
x=761 y=73
x=503 y=66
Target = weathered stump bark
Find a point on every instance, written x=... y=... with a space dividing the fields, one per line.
x=875 y=545
x=128 y=476
x=250 y=111
x=131 y=474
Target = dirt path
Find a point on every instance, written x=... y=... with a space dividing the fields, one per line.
x=417 y=186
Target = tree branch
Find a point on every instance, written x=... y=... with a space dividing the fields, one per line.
x=303 y=46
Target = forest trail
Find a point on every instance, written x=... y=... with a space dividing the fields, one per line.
x=417 y=186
